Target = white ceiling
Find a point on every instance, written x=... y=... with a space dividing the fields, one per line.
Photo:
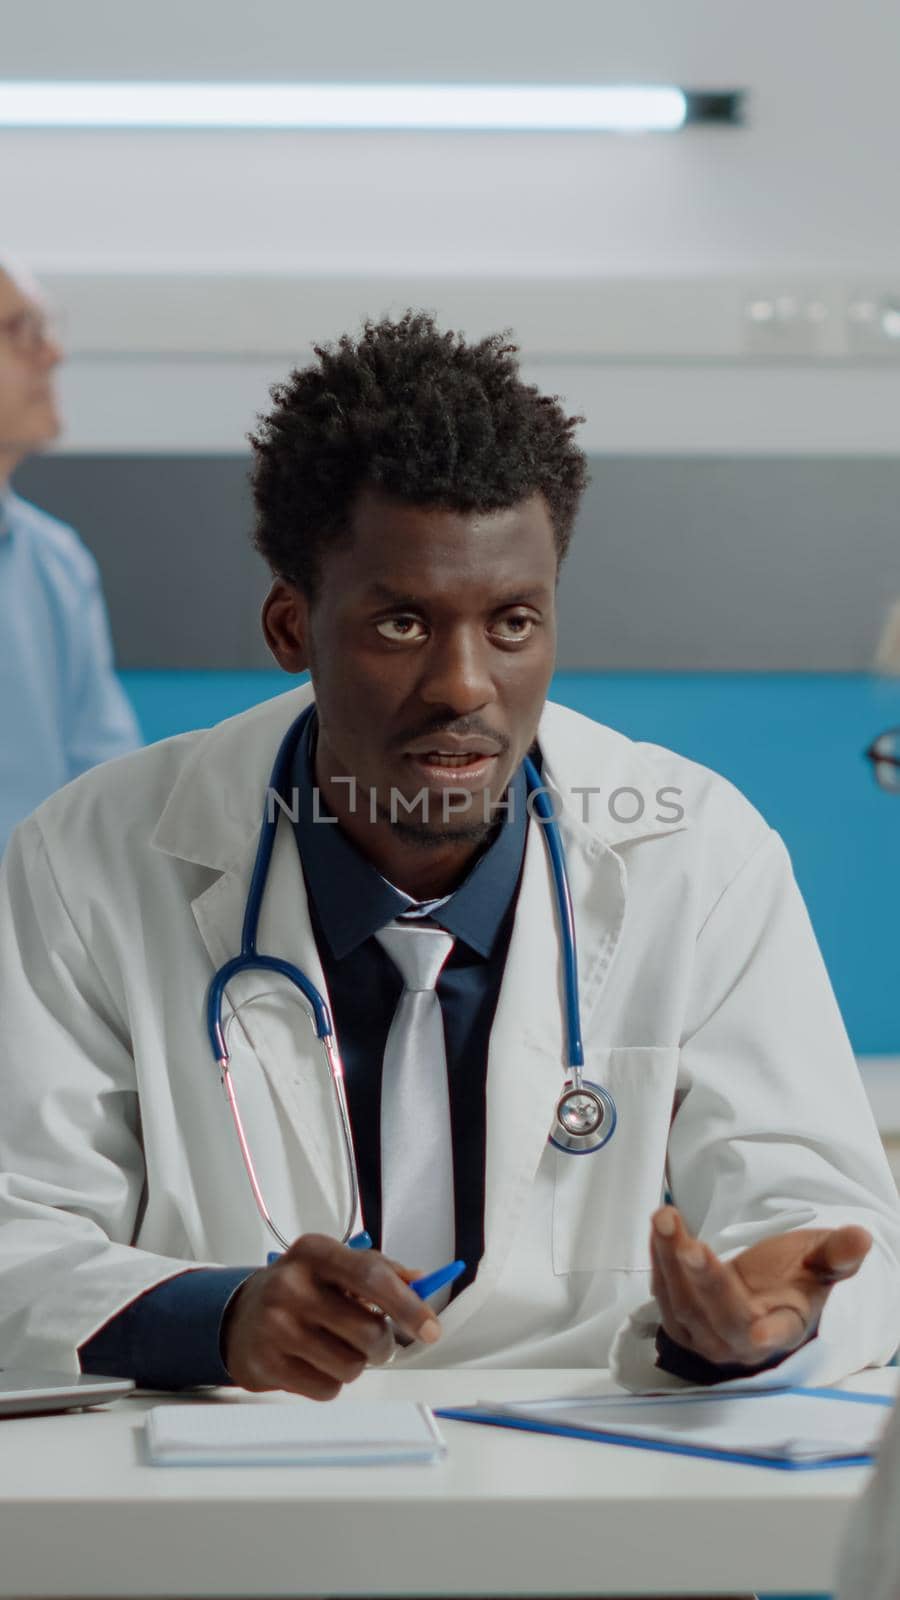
x=810 y=183
x=803 y=43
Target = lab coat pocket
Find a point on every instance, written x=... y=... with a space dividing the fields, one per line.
x=602 y=1202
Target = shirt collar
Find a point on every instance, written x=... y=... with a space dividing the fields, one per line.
x=352 y=899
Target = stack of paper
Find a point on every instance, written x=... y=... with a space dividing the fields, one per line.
x=291 y=1433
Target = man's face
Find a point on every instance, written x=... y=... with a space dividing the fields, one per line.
x=28 y=356
x=431 y=646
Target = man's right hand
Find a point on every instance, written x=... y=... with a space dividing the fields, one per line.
x=316 y=1317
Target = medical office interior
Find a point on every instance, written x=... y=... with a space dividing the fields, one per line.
x=721 y=302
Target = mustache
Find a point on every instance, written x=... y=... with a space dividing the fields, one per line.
x=469 y=728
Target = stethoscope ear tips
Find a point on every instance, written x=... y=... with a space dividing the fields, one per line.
x=585 y=1119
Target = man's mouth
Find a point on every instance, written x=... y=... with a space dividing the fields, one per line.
x=467 y=769
x=447 y=758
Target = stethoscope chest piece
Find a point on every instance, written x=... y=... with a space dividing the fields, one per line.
x=585 y=1118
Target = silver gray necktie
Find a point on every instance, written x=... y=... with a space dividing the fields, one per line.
x=417 y=1216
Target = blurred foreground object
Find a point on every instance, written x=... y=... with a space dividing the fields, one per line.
x=870 y=1565
x=884 y=754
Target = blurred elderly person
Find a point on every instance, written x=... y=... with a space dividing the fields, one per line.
x=62 y=708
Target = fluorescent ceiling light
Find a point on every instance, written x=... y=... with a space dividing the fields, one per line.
x=481 y=107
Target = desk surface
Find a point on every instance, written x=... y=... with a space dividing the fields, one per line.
x=506 y=1513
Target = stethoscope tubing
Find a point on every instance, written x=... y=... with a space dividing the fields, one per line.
x=543 y=804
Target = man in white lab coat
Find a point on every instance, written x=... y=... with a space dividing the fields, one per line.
x=414 y=499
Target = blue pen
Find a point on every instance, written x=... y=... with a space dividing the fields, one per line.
x=433 y=1281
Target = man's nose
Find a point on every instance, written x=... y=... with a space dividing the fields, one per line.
x=457 y=674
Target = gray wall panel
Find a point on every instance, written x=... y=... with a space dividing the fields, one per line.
x=681 y=563
x=171 y=534
x=733 y=564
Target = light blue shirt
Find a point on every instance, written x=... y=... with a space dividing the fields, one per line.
x=62 y=708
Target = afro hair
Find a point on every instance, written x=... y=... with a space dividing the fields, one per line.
x=419 y=414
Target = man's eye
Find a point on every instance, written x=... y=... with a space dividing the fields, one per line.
x=514 y=628
x=401 y=629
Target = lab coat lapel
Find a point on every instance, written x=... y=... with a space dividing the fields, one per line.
x=273 y=1019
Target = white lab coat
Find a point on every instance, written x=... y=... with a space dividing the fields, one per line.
x=705 y=1008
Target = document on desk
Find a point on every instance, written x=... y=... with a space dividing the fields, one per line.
x=792 y=1428
x=292 y=1433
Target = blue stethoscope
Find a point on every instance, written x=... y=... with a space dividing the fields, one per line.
x=585 y=1116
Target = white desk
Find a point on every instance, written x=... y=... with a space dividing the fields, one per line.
x=505 y=1514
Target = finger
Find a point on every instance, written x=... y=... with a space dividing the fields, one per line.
x=664 y=1280
x=727 y=1311
x=676 y=1251
x=839 y=1255
x=408 y=1274
x=276 y=1370
x=297 y=1376
x=670 y=1229
x=363 y=1330
x=318 y=1348
x=724 y=1301
x=687 y=1319
x=659 y=1288
x=708 y=1297
x=661 y=1227
x=369 y=1276
x=784 y=1329
x=691 y=1331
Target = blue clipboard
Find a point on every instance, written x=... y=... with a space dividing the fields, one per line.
x=493 y=1418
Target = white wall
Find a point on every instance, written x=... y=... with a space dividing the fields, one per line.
x=181 y=362
x=805 y=195
x=811 y=183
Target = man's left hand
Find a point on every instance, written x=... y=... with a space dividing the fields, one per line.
x=761 y=1304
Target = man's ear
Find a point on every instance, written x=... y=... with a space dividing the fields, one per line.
x=285 y=624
